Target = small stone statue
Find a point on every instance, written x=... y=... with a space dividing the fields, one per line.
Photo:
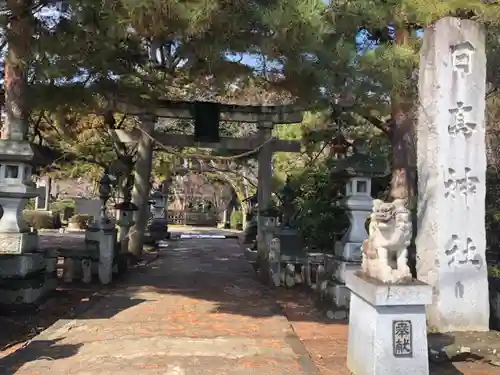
x=385 y=251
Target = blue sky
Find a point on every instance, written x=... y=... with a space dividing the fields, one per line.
x=363 y=43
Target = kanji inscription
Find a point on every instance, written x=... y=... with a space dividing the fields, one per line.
x=462 y=57
x=460 y=254
x=465 y=186
x=402 y=338
x=462 y=121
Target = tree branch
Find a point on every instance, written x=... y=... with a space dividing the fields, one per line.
x=379 y=124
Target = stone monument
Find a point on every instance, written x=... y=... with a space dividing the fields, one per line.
x=387 y=322
x=451 y=162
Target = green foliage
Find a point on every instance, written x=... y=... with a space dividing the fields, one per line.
x=42 y=219
x=30 y=205
x=321 y=220
x=494 y=272
x=60 y=205
x=237 y=220
x=492 y=214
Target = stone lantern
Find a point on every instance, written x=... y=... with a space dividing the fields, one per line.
x=158 y=229
x=23 y=268
x=358 y=169
x=157 y=200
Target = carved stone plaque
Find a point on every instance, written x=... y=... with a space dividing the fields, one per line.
x=402 y=338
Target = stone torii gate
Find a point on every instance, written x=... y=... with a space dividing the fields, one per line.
x=264 y=116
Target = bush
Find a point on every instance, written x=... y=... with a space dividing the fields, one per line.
x=82 y=220
x=320 y=220
x=59 y=206
x=492 y=214
x=237 y=220
x=41 y=219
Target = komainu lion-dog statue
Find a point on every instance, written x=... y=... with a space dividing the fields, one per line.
x=385 y=252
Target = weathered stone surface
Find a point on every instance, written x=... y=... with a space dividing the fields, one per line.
x=16 y=295
x=451 y=163
x=387 y=327
x=21 y=265
x=18 y=243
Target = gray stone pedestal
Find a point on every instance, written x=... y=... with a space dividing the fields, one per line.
x=347 y=259
x=387 y=327
x=106 y=252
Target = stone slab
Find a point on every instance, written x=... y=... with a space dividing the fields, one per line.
x=387 y=328
x=21 y=265
x=380 y=294
x=18 y=243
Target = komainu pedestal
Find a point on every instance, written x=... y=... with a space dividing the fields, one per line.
x=387 y=327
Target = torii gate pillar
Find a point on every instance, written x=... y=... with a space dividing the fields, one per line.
x=265 y=159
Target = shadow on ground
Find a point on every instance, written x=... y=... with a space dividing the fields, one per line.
x=66 y=302
x=47 y=350
x=215 y=270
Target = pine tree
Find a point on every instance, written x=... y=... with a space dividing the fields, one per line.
x=382 y=83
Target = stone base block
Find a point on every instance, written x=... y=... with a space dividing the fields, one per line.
x=340 y=268
x=387 y=327
x=18 y=243
x=21 y=265
x=337 y=295
x=27 y=291
x=349 y=250
x=251 y=255
x=92 y=234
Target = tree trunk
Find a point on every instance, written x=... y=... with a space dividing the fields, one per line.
x=403 y=181
x=142 y=185
x=19 y=38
